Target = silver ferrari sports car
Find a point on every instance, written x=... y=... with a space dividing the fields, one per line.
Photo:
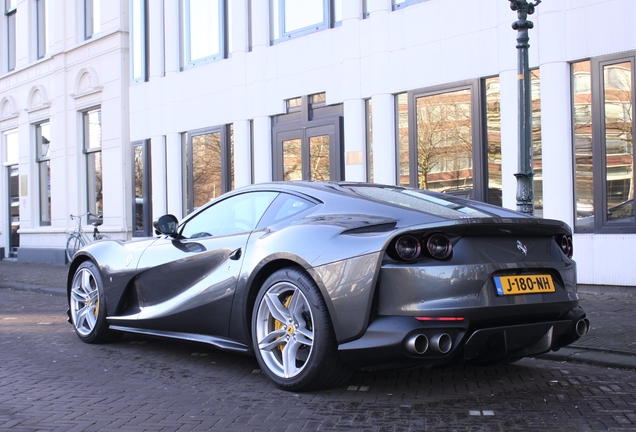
x=317 y=279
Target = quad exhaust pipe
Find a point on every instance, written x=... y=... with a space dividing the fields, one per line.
x=419 y=343
x=582 y=326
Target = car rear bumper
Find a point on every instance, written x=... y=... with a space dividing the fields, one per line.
x=398 y=341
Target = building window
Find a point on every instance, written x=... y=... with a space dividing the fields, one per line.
x=13 y=191
x=138 y=40
x=492 y=96
x=291 y=18
x=92 y=18
x=400 y=4
x=446 y=142
x=204 y=31
x=209 y=165
x=603 y=130
x=10 y=10
x=402 y=138
x=43 y=161
x=537 y=152
x=42 y=28
x=93 y=151
x=142 y=211
x=369 y=135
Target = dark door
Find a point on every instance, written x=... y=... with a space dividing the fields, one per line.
x=309 y=153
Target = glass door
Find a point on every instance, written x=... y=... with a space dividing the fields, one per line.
x=309 y=153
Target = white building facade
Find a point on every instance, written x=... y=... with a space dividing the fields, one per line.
x=197 y=97
x=63 y=120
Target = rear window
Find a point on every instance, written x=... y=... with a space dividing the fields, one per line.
x=421 y=201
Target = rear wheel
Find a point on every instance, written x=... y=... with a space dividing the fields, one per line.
x=293 y=336
x=87 y=306
x=73 y=244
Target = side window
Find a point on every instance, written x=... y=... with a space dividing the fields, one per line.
x=237 y=214
x=285 y=206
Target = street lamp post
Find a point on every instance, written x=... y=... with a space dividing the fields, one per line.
x=525 y=193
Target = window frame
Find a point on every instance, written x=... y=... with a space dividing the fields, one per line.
x=600 y=224
x=10 y=13
x=143 y=30
x=186 y=36
x=226 y=161
x=88 y=152
x=478 y=129
x=277 y=15
x=89 y=19
x=405 y=3
x=41 y=29
x=39 y=160
x=146 y=214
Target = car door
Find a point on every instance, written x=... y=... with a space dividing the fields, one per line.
x=187 y=284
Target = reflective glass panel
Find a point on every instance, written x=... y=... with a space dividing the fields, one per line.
x=537 y=153
x=11 y=40
x=43 y=137
x=93 y=129
x=493 y=137
x=94 y=183
x=45 y=192
x=292 y=160
x=444 y=141
x=319 y=158
x=402 y=127
x=42 y=28
x=13 y=147
x=303 y=13
x=203 y=29
x=582 y=117
x=139 y=187
x=369 y=107
x=14 y=209
x=206 y=168
x=137 y=36
x=44 y=140
x=619 y=147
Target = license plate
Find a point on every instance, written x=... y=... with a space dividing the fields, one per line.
x=524 y=284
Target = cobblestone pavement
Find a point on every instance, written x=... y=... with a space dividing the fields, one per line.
x=49 y=380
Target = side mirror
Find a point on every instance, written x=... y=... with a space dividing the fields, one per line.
x=167 y=225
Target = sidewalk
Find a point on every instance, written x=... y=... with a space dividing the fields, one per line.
x=611 y=341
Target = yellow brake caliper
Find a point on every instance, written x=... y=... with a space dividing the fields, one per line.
x=279 y=325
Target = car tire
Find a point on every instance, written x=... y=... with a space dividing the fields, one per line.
x=293 y=335
x=88 y=307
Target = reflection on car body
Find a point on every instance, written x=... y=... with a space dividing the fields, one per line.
x=317 y=279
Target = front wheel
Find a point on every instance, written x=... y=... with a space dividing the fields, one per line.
x=73 y=244
x=293 y=336
x=87 y=305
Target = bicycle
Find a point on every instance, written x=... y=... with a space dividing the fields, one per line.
x=77 y=238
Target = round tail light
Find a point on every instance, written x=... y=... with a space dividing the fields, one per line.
x=439 y=246
x=407 y=248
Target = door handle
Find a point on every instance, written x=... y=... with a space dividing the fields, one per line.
x=236 y=255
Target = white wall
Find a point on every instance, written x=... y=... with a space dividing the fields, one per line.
x=75 y=75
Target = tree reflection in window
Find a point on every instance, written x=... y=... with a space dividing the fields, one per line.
x=292 y=160
x=319 y=158
x=619 y=150
x=206 y=168
x=444 y=141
